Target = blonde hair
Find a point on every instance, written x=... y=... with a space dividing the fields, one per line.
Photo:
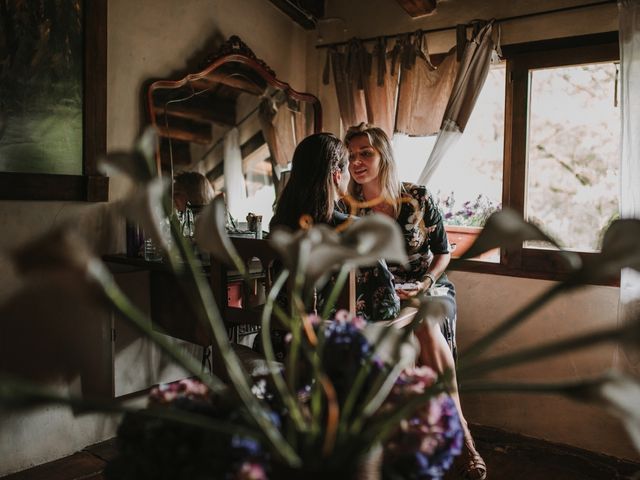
x=195 y=187
x=387 y=174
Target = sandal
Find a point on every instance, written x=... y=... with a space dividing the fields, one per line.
x=476 y=468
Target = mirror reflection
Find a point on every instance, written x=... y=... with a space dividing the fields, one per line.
x=236 y=123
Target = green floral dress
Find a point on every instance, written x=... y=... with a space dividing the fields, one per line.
x=424 y=236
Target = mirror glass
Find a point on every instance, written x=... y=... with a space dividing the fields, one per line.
x=234 y=122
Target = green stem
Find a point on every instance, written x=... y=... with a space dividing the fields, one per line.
x=380 y=431
x=485 y=342
x=122 y=305
x=20 y=393
x=513 y=387
x=335 y=290
x=211 y=315
x=288 y=399
x=537 y=353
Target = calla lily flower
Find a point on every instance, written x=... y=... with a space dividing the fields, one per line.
x=364 y=243
x=211 y=233
x=620 y=249
x=61 y=295
x=60 y=250
x=139 y=165
x=390 y=346
x=619 y=394
x=507 y=229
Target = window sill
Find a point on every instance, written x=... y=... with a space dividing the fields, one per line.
x=493 y=268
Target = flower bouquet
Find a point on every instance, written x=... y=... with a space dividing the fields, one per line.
x=472 y=213
x=347 y=401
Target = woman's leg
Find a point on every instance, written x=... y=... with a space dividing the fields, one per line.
x=435 y=353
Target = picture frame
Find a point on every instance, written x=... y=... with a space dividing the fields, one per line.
x=89 y=185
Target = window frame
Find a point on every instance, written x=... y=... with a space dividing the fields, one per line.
x=91 y=186
x=521 y=58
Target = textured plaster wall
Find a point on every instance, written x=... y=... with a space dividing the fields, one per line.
x=146 y=39
x=483 y=300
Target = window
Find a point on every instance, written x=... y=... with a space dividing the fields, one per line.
x=468 y=187
x=543 y=140
x=561 y=149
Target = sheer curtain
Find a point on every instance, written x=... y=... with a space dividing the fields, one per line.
x=235 y=188
x=629 y=23
x=470 y=78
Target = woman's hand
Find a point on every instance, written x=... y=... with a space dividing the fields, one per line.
x=409 y=290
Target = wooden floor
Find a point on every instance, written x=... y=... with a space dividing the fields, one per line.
x=508 y=457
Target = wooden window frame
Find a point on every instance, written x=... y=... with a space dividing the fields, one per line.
x=91 y=186
x=521 y=58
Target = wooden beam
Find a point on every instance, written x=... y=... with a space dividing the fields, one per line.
x=418 y=8
x=218 y=111
x=307 y=13
x=176 y=150
x=187 y=135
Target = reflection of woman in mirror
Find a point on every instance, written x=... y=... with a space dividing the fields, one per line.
x=373 y=176
x=319 y=178
x=191 y=188
x=191 y=193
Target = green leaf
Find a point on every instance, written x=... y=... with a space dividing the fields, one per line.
x=507 y=229
x=620 y=249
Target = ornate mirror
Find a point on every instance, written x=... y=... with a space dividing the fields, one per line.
x=235 y=122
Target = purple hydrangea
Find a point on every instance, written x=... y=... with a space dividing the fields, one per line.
x=424 y=445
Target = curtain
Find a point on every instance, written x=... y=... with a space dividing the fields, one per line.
x=470 y=78
x=284 y=123
x=350 y=68
x=424 y=90
x=629 y=24
x=366 y=84
x=381 y=88
x=235 y=189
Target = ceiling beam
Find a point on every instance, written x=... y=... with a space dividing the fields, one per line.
x=304 y=12
x=217 y=111
x=418 y=8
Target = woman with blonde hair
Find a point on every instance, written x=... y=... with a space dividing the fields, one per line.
x=375 y=186
x=319 y=178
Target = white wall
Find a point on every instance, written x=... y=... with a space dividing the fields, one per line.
x=146 y=38
x=484 y=300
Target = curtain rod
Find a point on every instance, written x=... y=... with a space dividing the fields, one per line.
x=498 y=20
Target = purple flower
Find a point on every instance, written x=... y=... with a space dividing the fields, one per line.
x=425 y=444
x=346 y=350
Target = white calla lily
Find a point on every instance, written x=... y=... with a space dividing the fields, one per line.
x=507 y=229
x=364 y=243
x=211 y=232
x=619 y=394
x=138 y=164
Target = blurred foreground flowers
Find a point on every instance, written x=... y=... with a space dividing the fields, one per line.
x=346 y=400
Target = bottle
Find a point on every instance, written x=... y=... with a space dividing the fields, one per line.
x=151 y=251
x=135 y=240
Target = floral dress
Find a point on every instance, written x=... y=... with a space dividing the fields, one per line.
x=424 y=236
x=376 y=297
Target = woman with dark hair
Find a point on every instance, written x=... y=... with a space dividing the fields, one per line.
x=319 y=178
x=373 y=176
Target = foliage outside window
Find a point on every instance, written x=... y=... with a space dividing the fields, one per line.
x=543 y=140
x=573 y=153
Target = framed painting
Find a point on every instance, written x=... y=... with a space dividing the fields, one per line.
x=52 y=99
